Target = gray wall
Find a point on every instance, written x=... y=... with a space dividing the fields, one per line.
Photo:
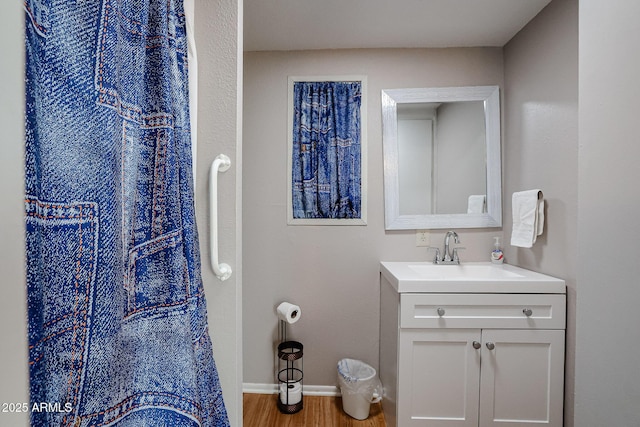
x=540 y=150
x=608 y=319
x=330 y=271
x=14 y=386
x=219 y=39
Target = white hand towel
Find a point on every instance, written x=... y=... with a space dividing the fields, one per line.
x=476 y=203
x=528 y=217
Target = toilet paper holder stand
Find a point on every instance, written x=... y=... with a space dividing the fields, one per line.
x=290 y=373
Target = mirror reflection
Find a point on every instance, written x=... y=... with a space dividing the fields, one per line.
x=442 y=157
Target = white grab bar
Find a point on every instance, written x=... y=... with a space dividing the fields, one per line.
x=220 y=164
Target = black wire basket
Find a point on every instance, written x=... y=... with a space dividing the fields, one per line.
x=290 y=376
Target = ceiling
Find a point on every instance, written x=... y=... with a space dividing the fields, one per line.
x=344 y=24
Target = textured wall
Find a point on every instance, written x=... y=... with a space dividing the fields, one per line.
x=14 y=386
x=330 y=271
x=219 y=40
x=608 y=338
x=540 y=149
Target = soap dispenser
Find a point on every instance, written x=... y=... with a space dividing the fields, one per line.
x=497 y=257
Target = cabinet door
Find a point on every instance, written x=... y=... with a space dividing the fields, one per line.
x=522 y=378
x=438 y=378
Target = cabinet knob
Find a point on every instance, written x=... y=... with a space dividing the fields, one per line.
x=440 y=311
x=491 y=345
x=527 y=312
x=476 y=345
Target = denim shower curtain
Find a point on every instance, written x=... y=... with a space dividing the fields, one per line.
x=117 y=316
x=326 y=150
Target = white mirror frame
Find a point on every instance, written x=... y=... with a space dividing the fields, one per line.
x=490 y=95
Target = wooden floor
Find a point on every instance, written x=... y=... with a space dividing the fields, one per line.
x=261 y=410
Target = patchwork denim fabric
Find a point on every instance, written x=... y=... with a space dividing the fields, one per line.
x=326 y=152
x=117 y=314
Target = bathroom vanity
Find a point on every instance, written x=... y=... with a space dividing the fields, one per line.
x=470 y=345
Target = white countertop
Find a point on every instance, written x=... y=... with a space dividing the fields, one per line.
x=468 y=277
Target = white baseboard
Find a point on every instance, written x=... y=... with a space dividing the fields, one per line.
x=307 y=390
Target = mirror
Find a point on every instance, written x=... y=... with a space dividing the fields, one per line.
x=442 y=157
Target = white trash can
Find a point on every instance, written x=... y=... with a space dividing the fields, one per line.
x=360 y=387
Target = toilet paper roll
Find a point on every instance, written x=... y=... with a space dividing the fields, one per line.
x=288 y=312
x=295 y=393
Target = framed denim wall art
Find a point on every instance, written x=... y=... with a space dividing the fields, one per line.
x=327 y=150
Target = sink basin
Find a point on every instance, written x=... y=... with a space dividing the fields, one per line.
x=477 y=272
x=474 y=277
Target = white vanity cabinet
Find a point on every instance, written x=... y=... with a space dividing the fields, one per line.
x=472 y=359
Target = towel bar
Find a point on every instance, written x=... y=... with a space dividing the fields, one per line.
x=220 y=164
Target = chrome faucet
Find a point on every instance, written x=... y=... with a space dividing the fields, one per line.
x=450 y=255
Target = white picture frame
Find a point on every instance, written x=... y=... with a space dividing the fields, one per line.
x=363 y=153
